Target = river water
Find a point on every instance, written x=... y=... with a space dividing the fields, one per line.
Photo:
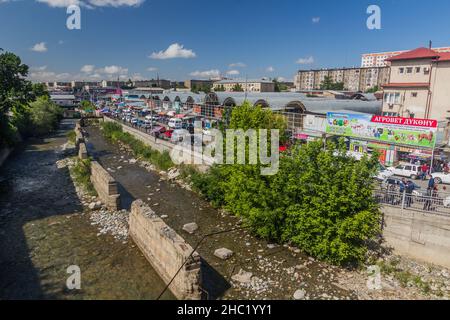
x=43 y=231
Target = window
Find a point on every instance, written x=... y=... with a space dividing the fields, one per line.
x=392 y=97
x=426 y=71
x=417 y=69
x=401 y=70
x=414 y=94
x=409 y=70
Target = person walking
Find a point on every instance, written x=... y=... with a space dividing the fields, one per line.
x=409 y=188
x=430 y=192
x=424 y=170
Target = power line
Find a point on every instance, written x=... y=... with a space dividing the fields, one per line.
x=194 y=250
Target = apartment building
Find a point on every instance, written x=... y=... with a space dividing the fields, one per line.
x=419 y=85
x=198 y=83
x=369 y=60
x=354 y=79
x=247 y=85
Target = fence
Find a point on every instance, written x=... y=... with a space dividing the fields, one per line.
x=431 y=202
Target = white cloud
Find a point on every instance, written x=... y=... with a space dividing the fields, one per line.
x=60 y=42
x=315 y=19
x=152 y=69
x=308 y=60
x=92 y=3
x=237 y=65
x=42 y=68
x=214 y=73
x=88 y=68
x=233 y=72
x=175 y=50
x=116 y=3
x=39 y=47
x=270 y=69
x=60 y=3
x=44 y=76
x=113 y=70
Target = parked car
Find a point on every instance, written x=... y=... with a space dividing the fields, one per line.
x=178 y=135
x=441 y=177
x=383 y=173
x=406 y=170
x=175 y=123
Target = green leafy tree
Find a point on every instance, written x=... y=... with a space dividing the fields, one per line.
x=14 y=92
x=329 y=84
x=373 y=90
x=237 y=88
x=45 y=116
x=321 y=200
x=87 y=106
x=220 y=88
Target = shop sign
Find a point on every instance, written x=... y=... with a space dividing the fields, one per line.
x=391 y=130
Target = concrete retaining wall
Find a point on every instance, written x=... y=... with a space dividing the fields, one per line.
x=82 y=151
x=105 y=185
x=421 y=236
x=162 y=145
x=166 y=251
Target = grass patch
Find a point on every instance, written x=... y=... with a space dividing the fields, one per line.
x=71 y=136
x=114 y=133
x=81 y=173
x=405 y=278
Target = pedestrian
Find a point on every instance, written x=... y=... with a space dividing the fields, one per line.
x=424 y=170
x=409 y=188
x=430 y=192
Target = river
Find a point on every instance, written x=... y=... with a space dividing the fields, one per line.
x=44 y=230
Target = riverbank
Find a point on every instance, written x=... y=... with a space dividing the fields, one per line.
x=276 y=272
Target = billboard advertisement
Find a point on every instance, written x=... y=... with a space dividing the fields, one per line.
x=392 y=130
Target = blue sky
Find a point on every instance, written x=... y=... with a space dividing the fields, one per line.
x=269 y=37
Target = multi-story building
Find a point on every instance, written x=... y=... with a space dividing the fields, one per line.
x=354 y=79
x=198 y=83
x=419 y=85
x=153 y=83
x=379 y=59
x=247 y=85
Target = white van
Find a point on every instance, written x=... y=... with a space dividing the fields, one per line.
x=175 y=123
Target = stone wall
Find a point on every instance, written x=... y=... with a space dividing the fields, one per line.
x=166 y=251
x=419 y=235
x=105 y=185
x=82 y=151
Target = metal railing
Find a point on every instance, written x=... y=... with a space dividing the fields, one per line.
x=426 y=201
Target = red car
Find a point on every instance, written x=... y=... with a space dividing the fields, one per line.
x=168 y=134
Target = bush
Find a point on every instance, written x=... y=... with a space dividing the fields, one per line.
x=45 y=116
x=320 y=200
x=82 y=175
x=71 y=136
x=113 y=132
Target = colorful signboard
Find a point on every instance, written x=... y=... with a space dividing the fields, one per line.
x=391 y=130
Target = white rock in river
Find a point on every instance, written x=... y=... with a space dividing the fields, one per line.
x=299 y=294
x=223 y=253
x=242 y=276
x=190 y=227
